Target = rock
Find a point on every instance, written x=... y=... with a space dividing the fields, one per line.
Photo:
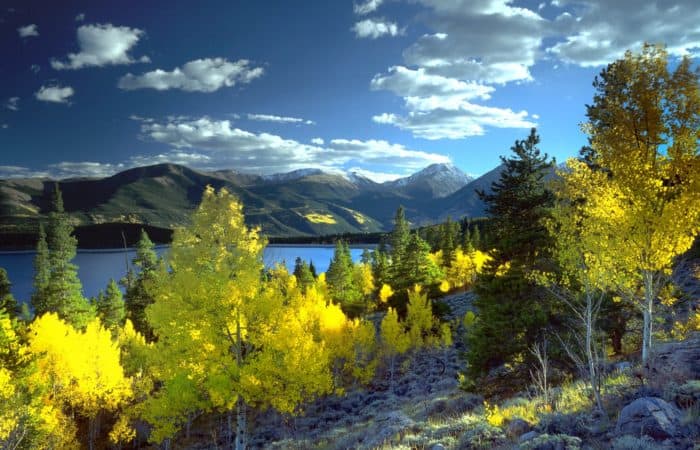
x=650 y=416
x=517 y=427
x=528 y=436
x=437 y=447
x=675 y=362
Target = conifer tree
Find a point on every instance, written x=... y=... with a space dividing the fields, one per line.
x=7 y=300
x=303 y=274
x=399 y=241
x=512 y=309
x=57 y=287
x=340 y=279
x=110 y=307
x=137 y=296
x=42 y=271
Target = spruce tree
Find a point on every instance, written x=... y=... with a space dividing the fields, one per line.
x=110 y=307
x=512 y=309
x=138 y=296
x=7 y=300
x=40 y=300
x=341 y=285
x=399 y=241
x=303 y=274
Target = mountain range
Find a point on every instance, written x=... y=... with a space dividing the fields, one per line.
x=307 y=202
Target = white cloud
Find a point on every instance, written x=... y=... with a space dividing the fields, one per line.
x=488 y=41
x=200 y=75
x=603 y=31
x=12 y=104
x=28 y=31
x=83 y=169
x=317 y=141
x=35 y=68
x=80 y=17
x=373 y=29
x=367 y=6
x=8 y=172
x=279 y=119
x=4 y=126
x=211 y=144
x=55 y=94
x=467 y=120
x=102 y=45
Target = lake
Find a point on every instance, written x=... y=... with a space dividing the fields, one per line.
x=96 y=267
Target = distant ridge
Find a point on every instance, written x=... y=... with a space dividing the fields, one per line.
x=306 y=202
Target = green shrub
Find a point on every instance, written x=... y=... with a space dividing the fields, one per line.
x=628 y=442
x=552 y=442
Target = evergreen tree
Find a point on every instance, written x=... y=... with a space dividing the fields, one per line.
x=303 y=274
x=110 y=307
x=340 y=279
x=399 y=241
x=380 y=267
x=138 y=296
x=57 y=287
x=467 y=244
x=449 y=237
x=7 y=300
x=476 y=238
x=42 y=271
x=512 y=308
x=312 y=268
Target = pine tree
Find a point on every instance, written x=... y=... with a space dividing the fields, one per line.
x=476 y=238
x=340 y=279
x=7 y=300
x=137 y=296
x=512 y=309
x=42 y=271
x=57 y=287
x=399 y=241
x=110 y=308
x=303 y=274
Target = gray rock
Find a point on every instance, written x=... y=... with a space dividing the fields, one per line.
x=675 y=362
x=528 y=436
x=437 y=447
x=649 y=416
x=517 y=427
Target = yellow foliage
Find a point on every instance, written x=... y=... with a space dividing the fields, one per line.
x=320 y=218
x=385 y=293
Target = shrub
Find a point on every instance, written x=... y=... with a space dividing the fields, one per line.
x=629 y=442
x=552 y=442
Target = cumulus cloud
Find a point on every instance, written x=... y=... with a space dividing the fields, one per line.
x=373 y=29
x=317 y=141
x=602 y=31
x=28 y=31
x=12 y=104
x=54 y=94
x=80 y=17
x=68 y=169
x=467 y=120
x=211 y=144
x=35 y=68
x=367 y=6
x=279 y=119
x=379 y=177
x=200 y=75
x=102 y=45
x=8 y=172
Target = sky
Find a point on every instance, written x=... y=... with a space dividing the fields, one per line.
x=379 y=87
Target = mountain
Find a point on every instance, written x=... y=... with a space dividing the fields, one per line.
x=300 y=203
x=435 y=181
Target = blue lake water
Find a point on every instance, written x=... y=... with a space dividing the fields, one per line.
x=96 y=267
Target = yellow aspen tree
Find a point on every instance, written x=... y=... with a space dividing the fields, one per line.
x=222 y=333
x=81 y=368
x=395 y=341
x=644 y=127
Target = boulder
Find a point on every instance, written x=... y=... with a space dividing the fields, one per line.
x=528 y=436
x=517 y=427
x=675 y=362
x=649 y=416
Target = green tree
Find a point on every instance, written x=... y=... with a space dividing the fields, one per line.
x=512 y=308
x=303 y=274
x=57 y=286
x=7 y=300
x=110 y=307
x=643 y=134
x=399 y=242
x=137 y=297
x=341 y=281
x=42 y=271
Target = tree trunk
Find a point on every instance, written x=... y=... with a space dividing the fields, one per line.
x=241 y=424
x=647 y=311
x=592 y=369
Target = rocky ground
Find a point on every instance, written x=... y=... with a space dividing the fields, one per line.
x=425 y=409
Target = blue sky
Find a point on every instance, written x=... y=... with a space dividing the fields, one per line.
x=381 y=87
